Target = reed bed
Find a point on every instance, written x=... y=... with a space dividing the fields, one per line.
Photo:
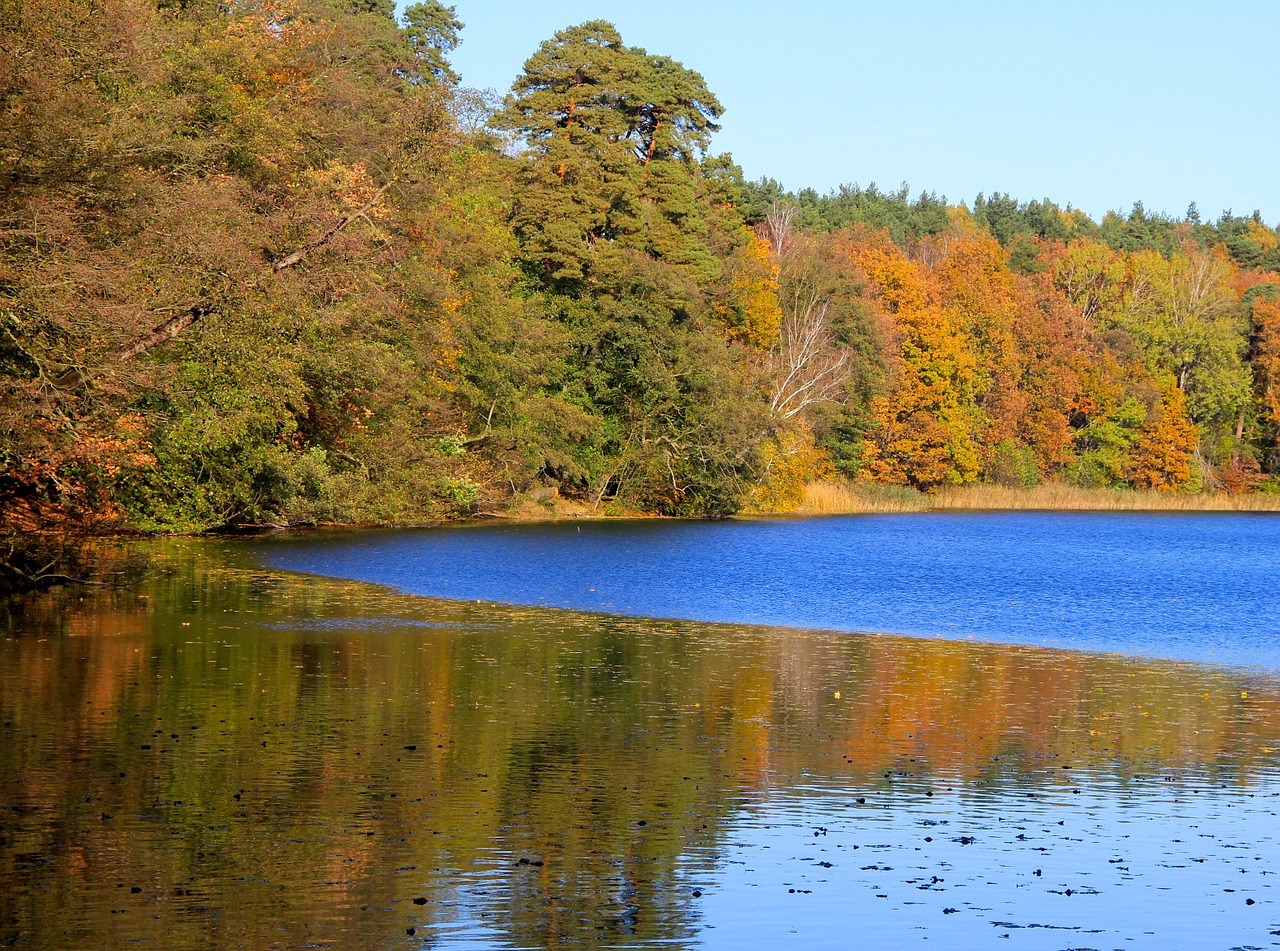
x=847 y=498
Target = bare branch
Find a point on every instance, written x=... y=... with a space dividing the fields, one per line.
x=807 y=363
x=296 y=257
x=165 y=332
x=777 y=227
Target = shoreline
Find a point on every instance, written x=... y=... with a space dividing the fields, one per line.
x=819 y=498
x=34 y=559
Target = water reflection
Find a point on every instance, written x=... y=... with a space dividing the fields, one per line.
x=235 y=758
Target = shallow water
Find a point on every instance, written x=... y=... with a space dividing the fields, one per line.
x=240 y=757
x=1186 y=587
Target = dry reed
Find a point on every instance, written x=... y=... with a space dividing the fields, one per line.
x=840 y=498
x=848 y=498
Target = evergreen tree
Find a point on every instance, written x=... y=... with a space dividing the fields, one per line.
x=431 y=30
x=615 y=222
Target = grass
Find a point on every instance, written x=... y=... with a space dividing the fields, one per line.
x=842 y=498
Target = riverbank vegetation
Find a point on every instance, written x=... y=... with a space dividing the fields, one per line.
x=269 y=262
x=847 y=498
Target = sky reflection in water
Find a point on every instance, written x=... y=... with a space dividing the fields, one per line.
x=273 y=760
x=1187 y=587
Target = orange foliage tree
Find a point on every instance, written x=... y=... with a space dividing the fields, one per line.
x=925 y=423
x=1161 y=455
x=977 y=290
x=1055 y=352
x=1265 y=314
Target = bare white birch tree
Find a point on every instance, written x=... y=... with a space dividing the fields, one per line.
x=807 y=364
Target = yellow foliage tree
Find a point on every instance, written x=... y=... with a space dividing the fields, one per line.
x=978 y=291
x=791 y=460
x=1261 y=235
x=752 y=313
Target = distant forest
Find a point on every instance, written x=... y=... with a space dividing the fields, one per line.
x=268 y=262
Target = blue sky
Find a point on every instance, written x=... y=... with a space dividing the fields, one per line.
x=1092 y=104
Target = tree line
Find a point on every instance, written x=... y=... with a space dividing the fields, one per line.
x=267 y=261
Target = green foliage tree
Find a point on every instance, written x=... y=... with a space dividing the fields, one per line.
x=614 y=138
x=1103 y=443
x=241 y=209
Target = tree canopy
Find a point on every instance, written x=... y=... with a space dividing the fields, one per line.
x=268 y=262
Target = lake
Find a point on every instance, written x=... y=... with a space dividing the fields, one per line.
x=236 y=754
x=1189 y=587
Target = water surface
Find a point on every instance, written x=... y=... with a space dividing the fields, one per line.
x=1187 y=587
x=238 y=757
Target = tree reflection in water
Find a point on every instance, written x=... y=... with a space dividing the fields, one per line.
x=231 y=757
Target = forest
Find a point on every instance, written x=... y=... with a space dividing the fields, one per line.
x=268 y=262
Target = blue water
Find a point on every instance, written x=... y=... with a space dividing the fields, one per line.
x=1199 y=587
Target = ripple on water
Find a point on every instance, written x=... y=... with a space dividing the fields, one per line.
x=1192 y=587
x=237 y=758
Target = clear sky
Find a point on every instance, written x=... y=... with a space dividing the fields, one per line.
x=1093 y=104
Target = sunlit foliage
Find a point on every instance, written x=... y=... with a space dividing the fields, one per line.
x=270 y=262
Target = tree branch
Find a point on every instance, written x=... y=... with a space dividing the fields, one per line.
x=165 y=332
x=171 y=328
x=295 y=257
